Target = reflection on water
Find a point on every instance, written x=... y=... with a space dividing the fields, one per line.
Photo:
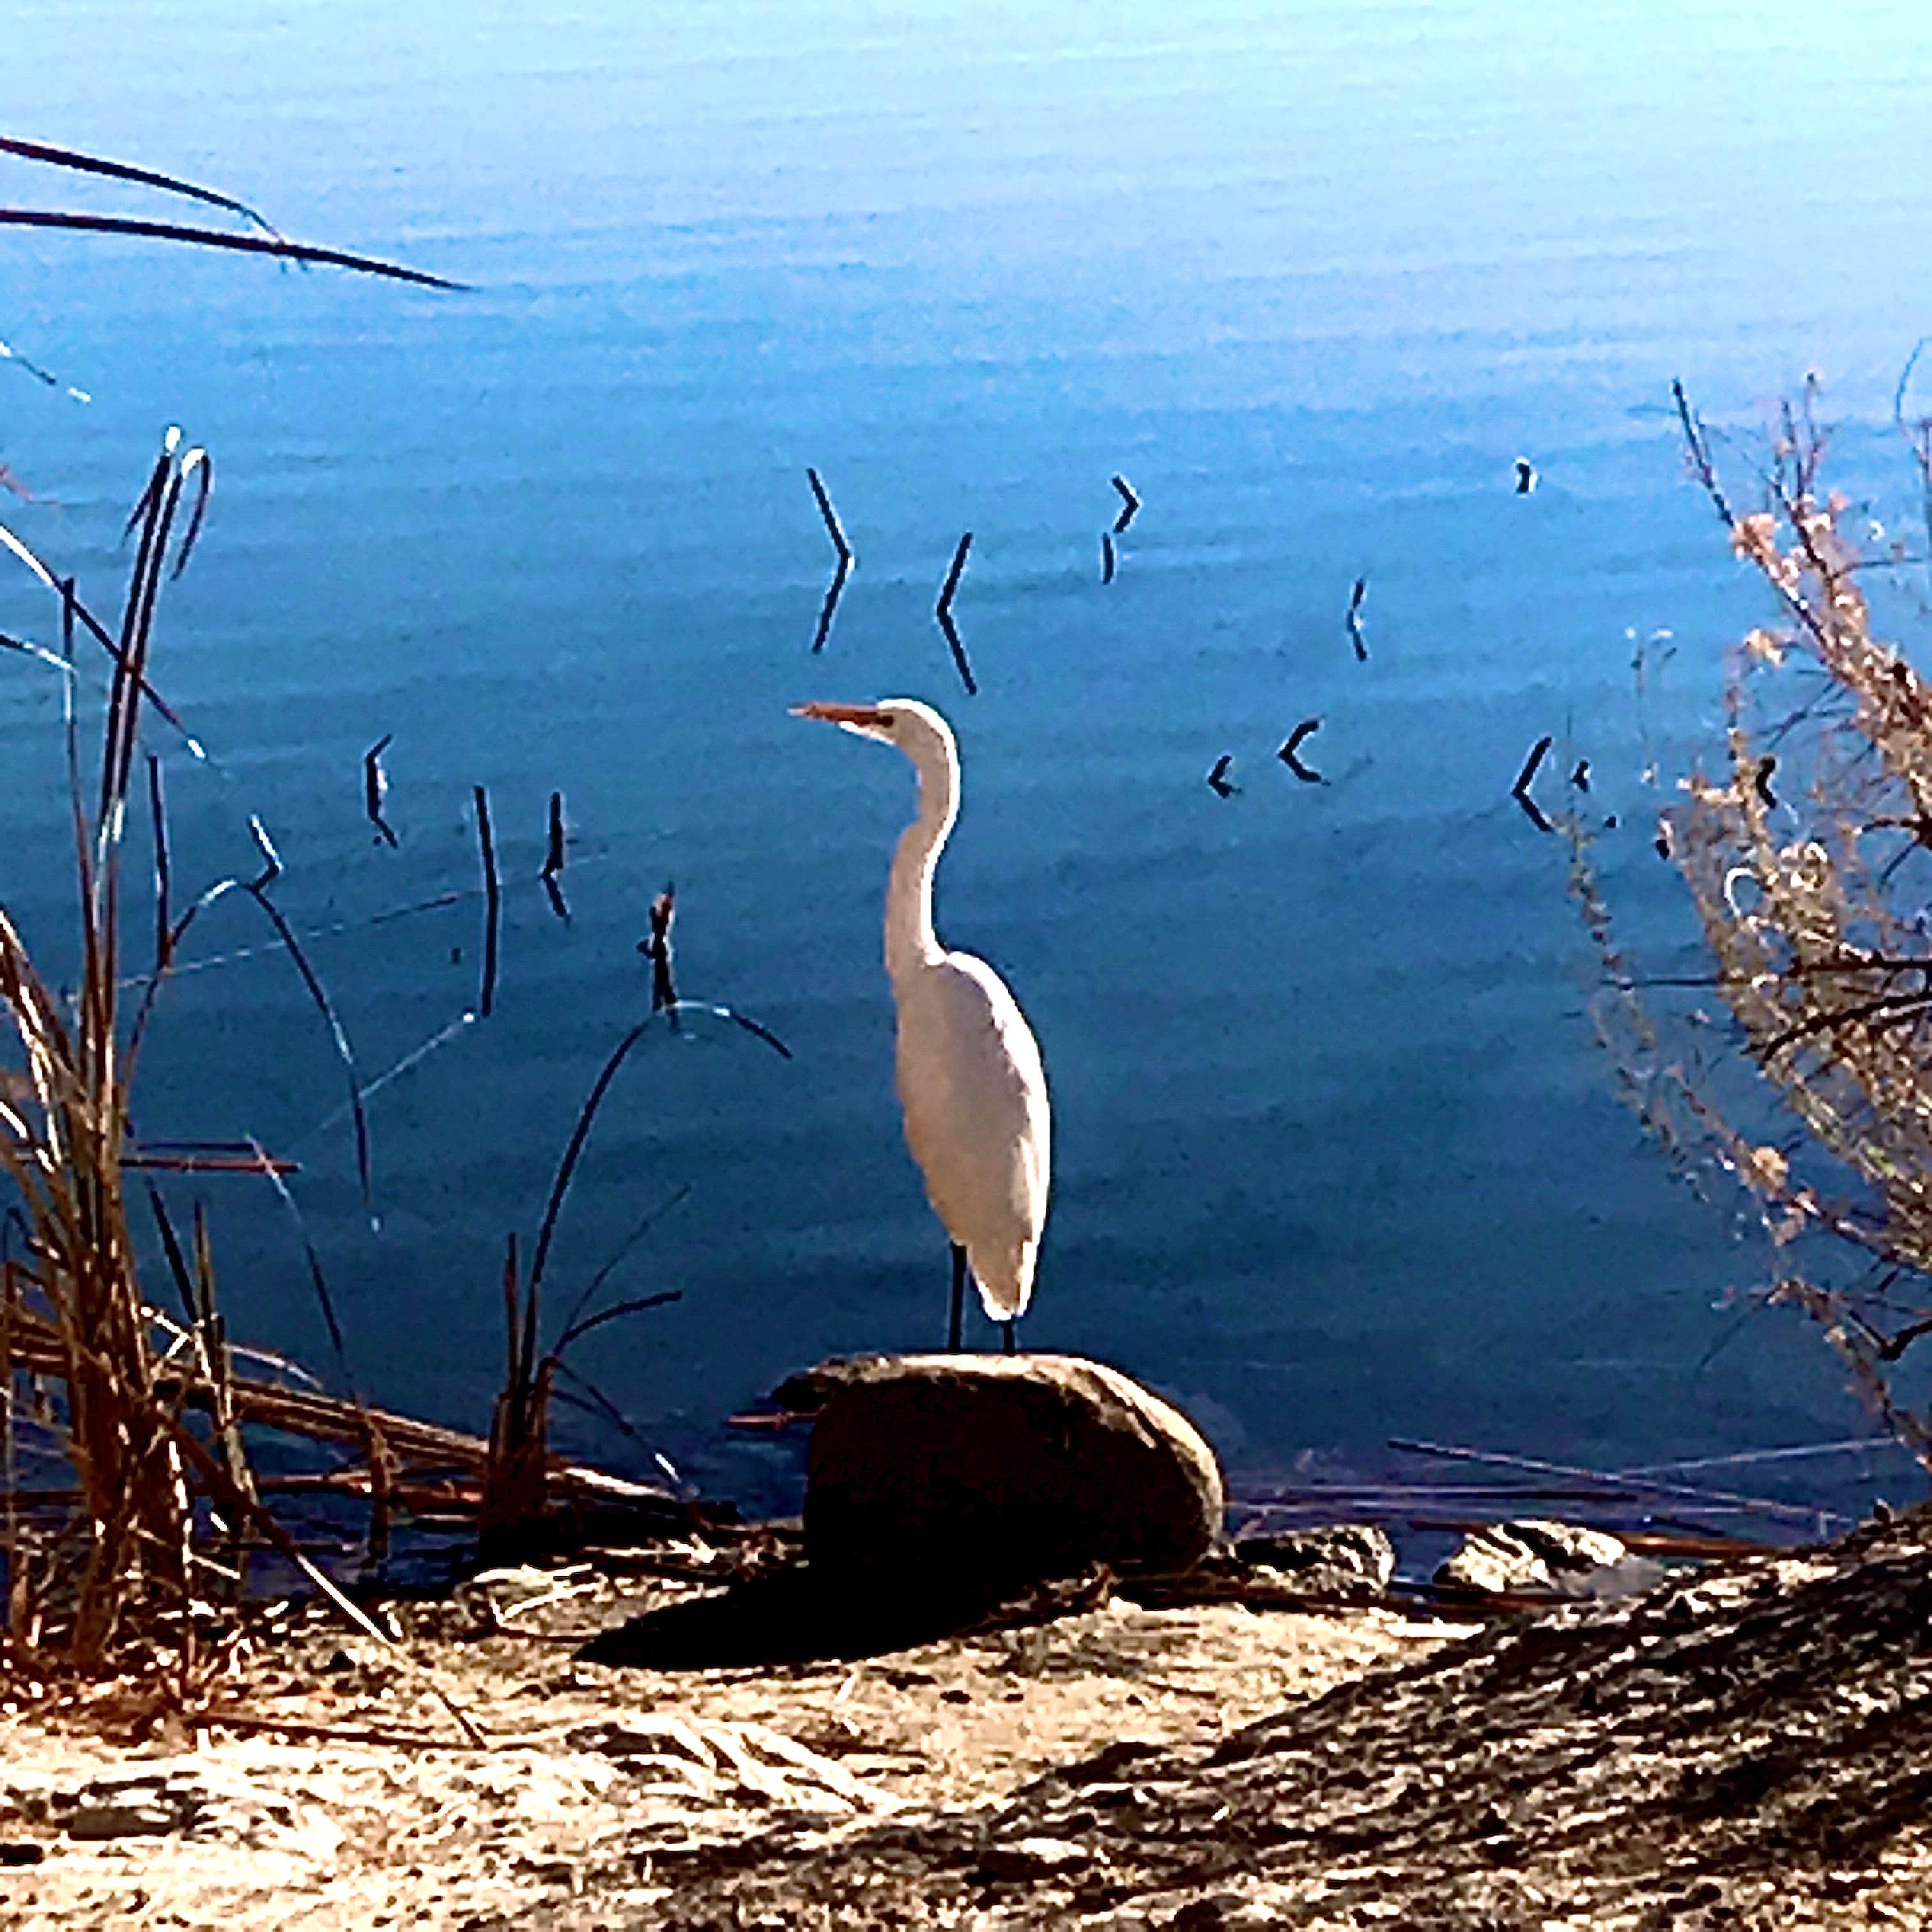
x=1336 y=1157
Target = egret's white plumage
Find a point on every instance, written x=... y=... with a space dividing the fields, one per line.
x=970 y=1077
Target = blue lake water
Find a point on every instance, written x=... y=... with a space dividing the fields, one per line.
x=1336 y=1156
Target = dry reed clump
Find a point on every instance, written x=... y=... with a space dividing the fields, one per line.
x=1806 y=865
x=128 y=1561
x=142 y=1581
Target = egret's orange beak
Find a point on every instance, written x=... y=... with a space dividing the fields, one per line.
x=855 y=717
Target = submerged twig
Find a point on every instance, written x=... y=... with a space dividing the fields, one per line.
x=8 y=353
x=846 y=557
x=657 y=949
x=492 y=904
x=1520 y=791
x=555 y=853
x=944 y=612
x=1538 y=751
x=847 y=560
x=271 y=859
x=1290 y=750
x=376 y=788
x=1354 y=620
x=829 y=608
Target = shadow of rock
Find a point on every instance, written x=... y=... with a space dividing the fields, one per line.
x=786 y=1618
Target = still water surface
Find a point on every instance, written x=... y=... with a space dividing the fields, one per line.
x=1336 y=1157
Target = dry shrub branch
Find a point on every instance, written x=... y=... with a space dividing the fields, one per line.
x=1805 y=853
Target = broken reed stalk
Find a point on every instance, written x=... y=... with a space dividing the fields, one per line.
x=94 y=164
x=942 y=611
x=213 y=238
x=829 y=608
x=157 y=814
x=492 y=904
x=556 y=851
x=1810 y=906
x=516 y=1486
x=517 y=1478
x=846 y=558
x=61 y=1145
x=376 y=789
x=657 y=949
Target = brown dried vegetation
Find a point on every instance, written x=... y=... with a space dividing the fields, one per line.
x=1810 y=896
x=64 y=1132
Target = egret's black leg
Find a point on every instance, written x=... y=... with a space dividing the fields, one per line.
x=959 y=1297
x=1012 y=1347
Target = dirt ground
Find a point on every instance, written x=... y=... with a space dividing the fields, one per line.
x=1749 y=1745
x=1745 y=1745
x=592 y=1772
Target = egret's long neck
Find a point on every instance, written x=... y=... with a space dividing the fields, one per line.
x=910 y=942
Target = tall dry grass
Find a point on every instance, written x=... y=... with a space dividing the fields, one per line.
x=63 y=1133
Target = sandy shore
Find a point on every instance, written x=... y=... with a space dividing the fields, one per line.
x=589 y=1769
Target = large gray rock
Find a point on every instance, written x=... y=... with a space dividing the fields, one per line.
x=969 y=1475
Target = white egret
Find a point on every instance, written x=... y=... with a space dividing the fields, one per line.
x=971 y=1083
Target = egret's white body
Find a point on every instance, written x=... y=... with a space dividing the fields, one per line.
x=970 y=1079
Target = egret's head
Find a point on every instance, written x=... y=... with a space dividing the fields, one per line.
x=916 y=729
